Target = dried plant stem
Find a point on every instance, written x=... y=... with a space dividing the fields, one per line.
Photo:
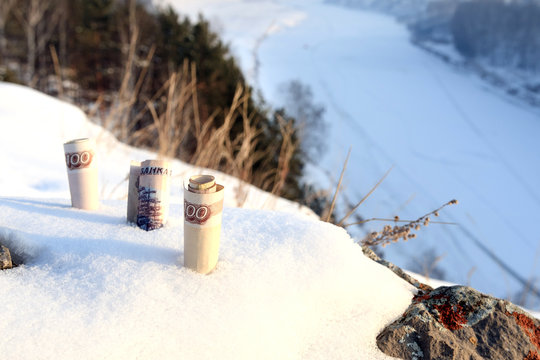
x=57 y=71
x=394 y=220
x=470 y=274
x=286 y=153
x=428 y=269
x=340 y=223
x=333 y=203
x=393 y=233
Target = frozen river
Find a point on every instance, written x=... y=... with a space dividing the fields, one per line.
x=446 y=134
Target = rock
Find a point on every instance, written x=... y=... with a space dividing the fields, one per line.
x=459 y=322
x=16 y=248
x=5 y=258
x=396 y=269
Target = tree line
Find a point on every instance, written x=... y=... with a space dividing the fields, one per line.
x=499 y=33
x=503 y=33
x=156 y=80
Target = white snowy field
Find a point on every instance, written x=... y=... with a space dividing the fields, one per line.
x=286 y=286
x=447 y=134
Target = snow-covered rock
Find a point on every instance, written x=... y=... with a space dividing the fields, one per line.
x=458 y=322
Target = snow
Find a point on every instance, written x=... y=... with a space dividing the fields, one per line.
x=26 y=143
x=287 y=285
x=447 y=134
x=92 y=286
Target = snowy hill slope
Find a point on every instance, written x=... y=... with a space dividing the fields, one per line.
x=287 y=286
x=448 y=135
x=36 y=125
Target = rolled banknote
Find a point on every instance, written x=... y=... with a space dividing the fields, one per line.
x=133 y=191
x=203 y=207
x=154 y=194
x=82 y=173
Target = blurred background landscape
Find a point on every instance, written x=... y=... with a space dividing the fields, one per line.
x=444 y=95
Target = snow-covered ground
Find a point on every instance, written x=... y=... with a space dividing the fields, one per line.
x=287 y=286
x=34 y=128
x=447 y=134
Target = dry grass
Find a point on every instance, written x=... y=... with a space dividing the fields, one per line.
x=354 y=208
x=172 y=123
x=237 y=156
x=57 y=72
x=176 y=121
x=390 y=234
x=329 y=212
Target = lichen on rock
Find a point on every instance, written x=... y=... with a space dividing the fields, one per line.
x=459 y=322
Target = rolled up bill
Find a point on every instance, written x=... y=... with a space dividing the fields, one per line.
x=154 y=194
x=82 y=173
x=203 y=207
x=133 y=191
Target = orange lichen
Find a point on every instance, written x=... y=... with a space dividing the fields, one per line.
x=528 y=326
x=427 y=296
x=532 y=355
x=419 y=298
x=452 y=317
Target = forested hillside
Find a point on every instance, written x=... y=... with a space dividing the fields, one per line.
x=501 y=33
x=505 y=34
x=156 y=79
